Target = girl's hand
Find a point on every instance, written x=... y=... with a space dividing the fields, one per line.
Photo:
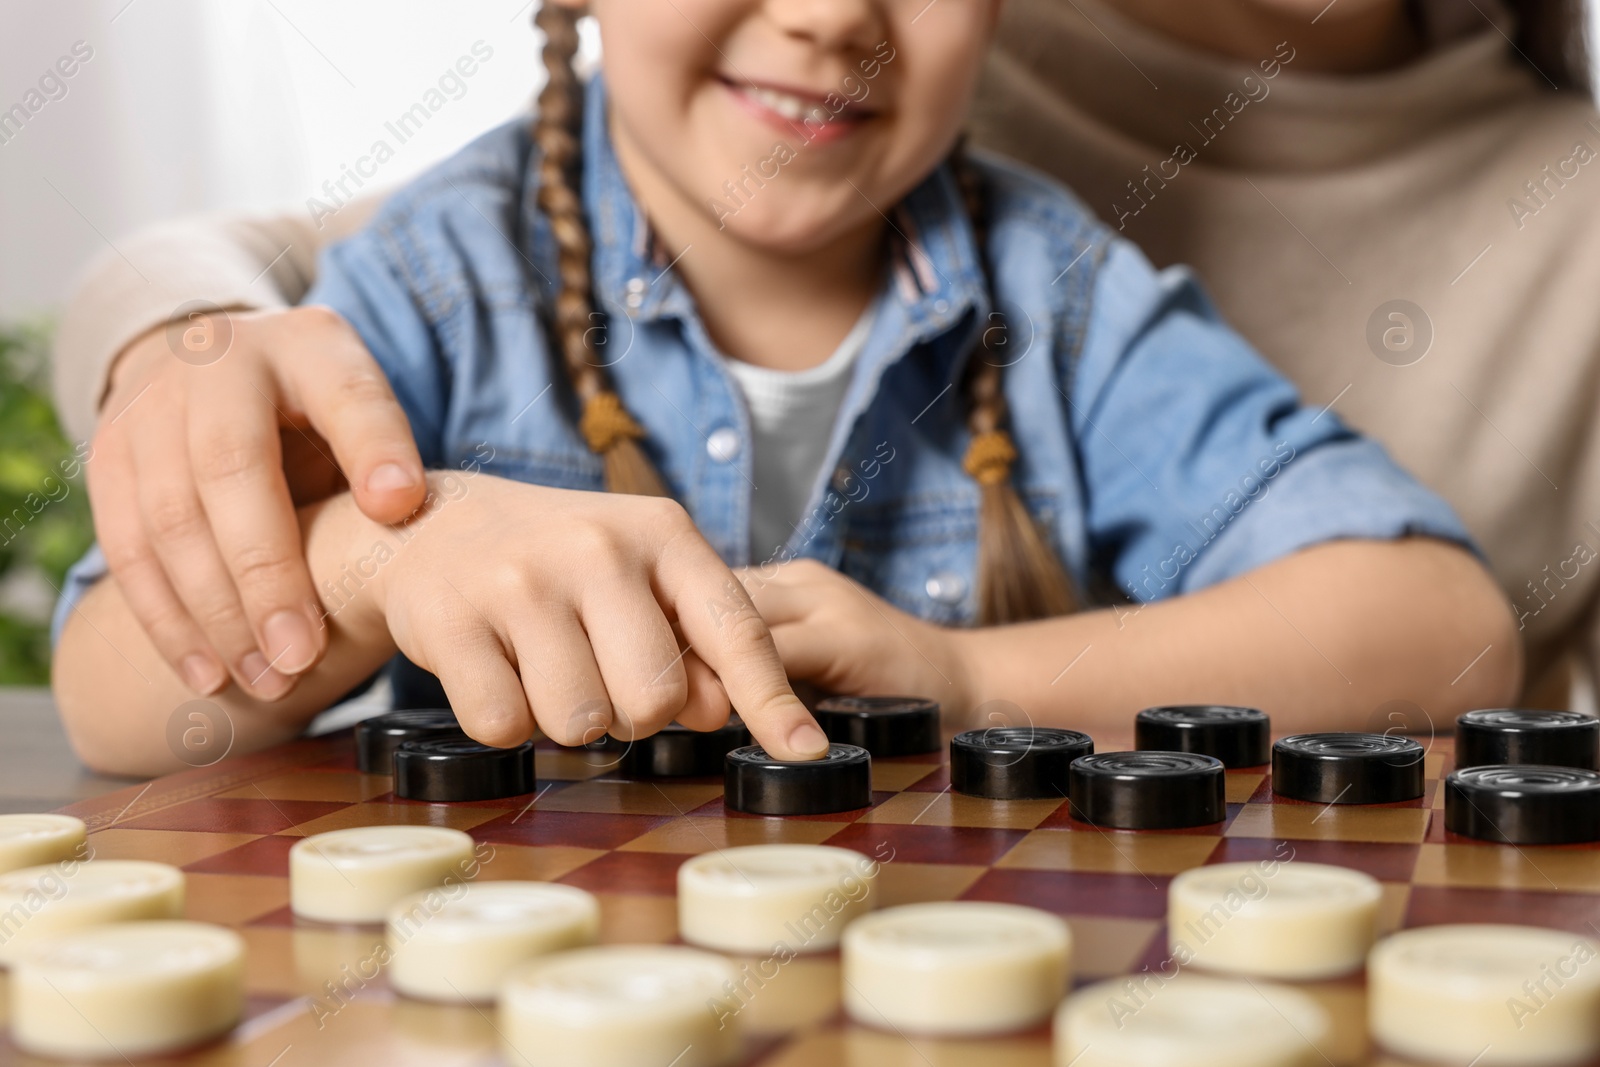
x=214 y=428
x=834 y=632
x=581 y=612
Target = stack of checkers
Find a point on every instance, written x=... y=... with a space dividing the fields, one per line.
x=377 y=738
x=1525 y=777
x=432 y=759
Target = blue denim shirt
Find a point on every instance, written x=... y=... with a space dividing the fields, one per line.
x=1158 y=450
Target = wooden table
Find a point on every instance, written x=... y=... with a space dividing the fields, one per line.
x=38 y=771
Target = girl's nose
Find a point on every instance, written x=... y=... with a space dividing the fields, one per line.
x=831 y=25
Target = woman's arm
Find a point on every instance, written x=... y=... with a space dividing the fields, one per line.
x=1321 y=640
x=116 y=692
x=241 y=261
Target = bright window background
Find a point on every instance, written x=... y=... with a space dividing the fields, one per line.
x=189 y=105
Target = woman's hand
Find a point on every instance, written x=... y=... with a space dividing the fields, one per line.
x=581 y=612
x=212 y=431
x=834 y=632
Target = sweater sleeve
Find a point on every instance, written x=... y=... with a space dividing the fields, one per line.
x=229 y=260
x=1201 y=460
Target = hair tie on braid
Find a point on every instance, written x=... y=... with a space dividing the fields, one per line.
x=1019 y=574
x=605 y=422
x=989 y=457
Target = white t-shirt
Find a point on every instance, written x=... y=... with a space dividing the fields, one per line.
x=791 y=419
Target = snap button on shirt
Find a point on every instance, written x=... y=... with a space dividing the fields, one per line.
x=634 y=293
x=723 y=444
x=947 y=587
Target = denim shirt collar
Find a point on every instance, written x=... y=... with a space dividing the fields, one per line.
x=933 y=279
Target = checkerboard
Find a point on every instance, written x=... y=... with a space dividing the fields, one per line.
x=313 y=1000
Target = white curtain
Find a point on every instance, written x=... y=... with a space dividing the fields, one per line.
x=189 y=105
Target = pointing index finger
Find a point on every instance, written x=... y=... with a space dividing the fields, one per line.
x=729 y=634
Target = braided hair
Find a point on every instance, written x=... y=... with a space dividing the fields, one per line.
x=610 y=431
x=1019 y=574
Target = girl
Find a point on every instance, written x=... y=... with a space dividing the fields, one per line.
x=1018 y=421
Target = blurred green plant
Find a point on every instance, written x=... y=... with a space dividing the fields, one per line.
x=44 y=507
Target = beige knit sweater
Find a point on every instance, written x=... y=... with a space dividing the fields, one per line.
x=1460 y=184
x=1306 y=203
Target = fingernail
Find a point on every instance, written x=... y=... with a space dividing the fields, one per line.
x=389 y=477
x=261 y=679
x=202 y=673
x=808 y=740
x=289 y=641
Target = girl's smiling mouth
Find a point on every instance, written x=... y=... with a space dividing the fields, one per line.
x=817 y=118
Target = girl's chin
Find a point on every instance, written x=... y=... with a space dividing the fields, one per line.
x=778 y=232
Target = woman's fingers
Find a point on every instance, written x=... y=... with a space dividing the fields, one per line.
x=216 y=516
x=218 y=519
x=345 y=395
x=119 y=529
x=177 y=526
x=234 y=451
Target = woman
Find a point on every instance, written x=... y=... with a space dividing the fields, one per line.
x=1403 y=219
x=1390 y=200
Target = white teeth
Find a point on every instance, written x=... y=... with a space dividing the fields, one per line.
x=788 y=105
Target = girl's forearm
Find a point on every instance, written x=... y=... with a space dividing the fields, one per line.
x=1322 y=639
x=117 y=695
